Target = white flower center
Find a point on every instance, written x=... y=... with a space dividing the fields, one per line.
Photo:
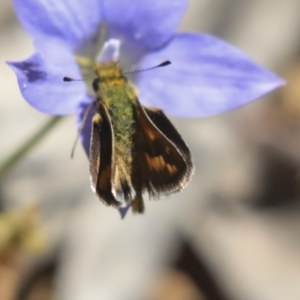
x=110 y=51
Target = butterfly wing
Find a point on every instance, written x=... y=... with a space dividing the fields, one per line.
x=163 y=158
x=160 y=120
x=101 y=156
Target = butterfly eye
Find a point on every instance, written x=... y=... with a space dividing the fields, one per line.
x=96 y=84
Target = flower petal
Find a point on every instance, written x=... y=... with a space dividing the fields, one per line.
x=123 y=211
x=85 y=113
x=41 y=82
x=74 y=21
x=207 y=76
x=150 y=23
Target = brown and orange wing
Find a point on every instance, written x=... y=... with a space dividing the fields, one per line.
x=163 y=158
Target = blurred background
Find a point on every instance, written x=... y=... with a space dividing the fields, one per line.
x=232 y=234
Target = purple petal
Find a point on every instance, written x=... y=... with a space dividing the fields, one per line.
x=41 y=82
x=123 y=211
x=149 y=23
x=85 y=113
x=74 y=21
x=207 y=76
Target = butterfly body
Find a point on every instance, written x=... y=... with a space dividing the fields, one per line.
x=133 y=149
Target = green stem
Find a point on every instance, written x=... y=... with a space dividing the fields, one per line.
x=16 y=156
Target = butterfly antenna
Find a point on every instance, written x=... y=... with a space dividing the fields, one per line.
x=69 y=79
x=163 y=64
x=86 y=113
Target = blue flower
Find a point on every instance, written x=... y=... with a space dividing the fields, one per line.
x=207 y=75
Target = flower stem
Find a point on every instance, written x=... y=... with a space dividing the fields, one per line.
x=16 y=156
